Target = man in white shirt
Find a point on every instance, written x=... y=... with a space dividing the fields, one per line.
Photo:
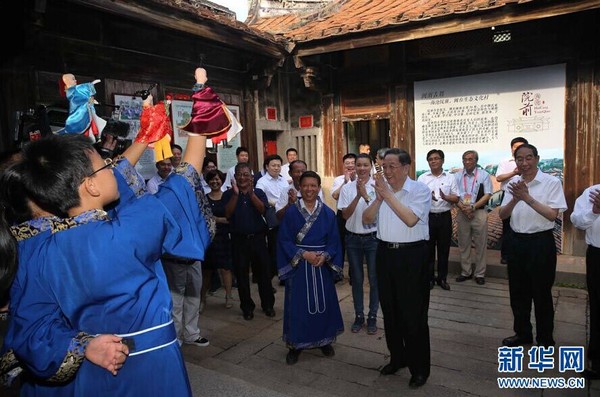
x=292 y=155
x=444 y=193
x=163 y=169
x=401 y=210
x=272 y=183
x=506 y=172
x=533 y=203
x=475 y=189
x=243 y=156
x=586 y=217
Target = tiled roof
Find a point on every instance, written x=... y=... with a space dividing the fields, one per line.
x=350 y=16
x=203 y=11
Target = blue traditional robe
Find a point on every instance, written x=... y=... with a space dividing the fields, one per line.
x=82 y=114
x=103 y=274
x=312 y=316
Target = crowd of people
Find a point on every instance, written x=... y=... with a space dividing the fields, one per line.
x=108 y=273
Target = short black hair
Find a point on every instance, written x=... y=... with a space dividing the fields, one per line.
x=364 y=156
x=349 y=156
x=439 y=152
x=527 y=146
x=212 y=173
x=241 y=149
x=310 y=174
x=176 y=146
x=292 y=149
x=270 y=158
x=517 y=140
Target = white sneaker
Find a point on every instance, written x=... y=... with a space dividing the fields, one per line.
x=202 y=342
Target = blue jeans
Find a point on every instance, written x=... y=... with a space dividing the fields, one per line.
x=359 y=248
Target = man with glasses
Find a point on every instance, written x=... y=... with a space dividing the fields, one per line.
x=401 y=210
x=444 y=193
x=475 y=190
x=244 y=208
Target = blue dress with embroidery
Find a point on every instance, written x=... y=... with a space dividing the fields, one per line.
x=312 y=316
x=104 y=275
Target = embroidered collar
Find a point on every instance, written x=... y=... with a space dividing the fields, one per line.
x=94 y=215
x=33 y=227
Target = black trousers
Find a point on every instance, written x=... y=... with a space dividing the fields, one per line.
x=246 y=250
x=592 y=268
x=531 y=271
x=341 y=223
x=506 y=238
x=440 y=234
x=403 y=282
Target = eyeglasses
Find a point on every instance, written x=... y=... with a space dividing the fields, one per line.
x=109 y=163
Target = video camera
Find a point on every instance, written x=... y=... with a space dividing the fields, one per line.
x=113 y=140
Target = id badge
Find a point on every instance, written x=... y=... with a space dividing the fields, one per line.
x=467 y=199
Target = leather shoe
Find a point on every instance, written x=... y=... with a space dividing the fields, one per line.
x=590 y=374
x=516 y=340
x=269 y=312
x=480 y=280
x=431 y=284
x=417 y=381
x=328 y=351
x=248 y=316
x=390 y=369
x=444 y=285
x=462 y=278
x=292 y=356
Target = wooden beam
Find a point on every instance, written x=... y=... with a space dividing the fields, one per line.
x=185 y=22
x=455 y=24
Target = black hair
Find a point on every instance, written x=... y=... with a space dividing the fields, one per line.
x=517 y=140
x=364 y=156
x=270 y=158
x=527 y=146
x=439 y=152
x=292 y=149
x=349 y=156
x=176 y=146
x=212 y=173
x=239 y=166
x=53 y=169
x=310 y=174
x=403 y=156
x=241 y=149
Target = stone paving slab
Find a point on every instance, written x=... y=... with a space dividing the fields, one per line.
x=467 y=325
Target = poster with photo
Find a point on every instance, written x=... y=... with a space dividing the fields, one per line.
x=485 y=112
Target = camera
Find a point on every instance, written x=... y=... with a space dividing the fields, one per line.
x=113 y=141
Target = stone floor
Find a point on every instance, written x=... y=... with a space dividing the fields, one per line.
x=466 y=326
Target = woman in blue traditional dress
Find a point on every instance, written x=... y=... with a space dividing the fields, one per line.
x=309 y=261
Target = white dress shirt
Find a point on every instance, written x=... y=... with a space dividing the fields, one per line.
x=544 y=188
x=272 y=187
x=417 y=197
x=506 y=167
x=354 y=223
x=285 y=172
x=467 y=185
x=583 y=218
x=153 y=183
x=445 y=182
